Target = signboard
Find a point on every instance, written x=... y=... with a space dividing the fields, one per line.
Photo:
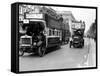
x=34 y=16
x=78 y=26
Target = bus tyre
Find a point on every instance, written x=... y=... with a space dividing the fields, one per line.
x=41 y=51
x=21 y=53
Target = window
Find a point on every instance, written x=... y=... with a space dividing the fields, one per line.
x=50 y=32
x=60 y=33
x=53 y=32
x=57 y=33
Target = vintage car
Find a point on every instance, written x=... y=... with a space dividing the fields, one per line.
x=77 y=41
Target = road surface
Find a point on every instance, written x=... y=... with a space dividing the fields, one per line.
x=62 y=58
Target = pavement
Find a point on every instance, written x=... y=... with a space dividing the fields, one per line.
x=63 y=58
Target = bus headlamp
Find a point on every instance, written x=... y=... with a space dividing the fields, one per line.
x=34 y=43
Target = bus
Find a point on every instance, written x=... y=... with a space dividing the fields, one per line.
x=39 y=36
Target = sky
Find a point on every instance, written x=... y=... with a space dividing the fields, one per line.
x=84 y=14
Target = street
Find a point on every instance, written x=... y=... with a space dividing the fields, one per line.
x=62 y=58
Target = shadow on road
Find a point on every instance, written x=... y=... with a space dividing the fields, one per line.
x=52 y=49
x=48 y=50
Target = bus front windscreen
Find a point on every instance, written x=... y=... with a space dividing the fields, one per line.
x=35 y=27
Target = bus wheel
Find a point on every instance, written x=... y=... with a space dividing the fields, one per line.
x=41 y=51
x=21 y=53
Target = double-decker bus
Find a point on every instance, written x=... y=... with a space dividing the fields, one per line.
x=40 y=34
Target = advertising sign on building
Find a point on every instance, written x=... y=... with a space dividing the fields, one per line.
x=77 y=25
x=34 y=16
